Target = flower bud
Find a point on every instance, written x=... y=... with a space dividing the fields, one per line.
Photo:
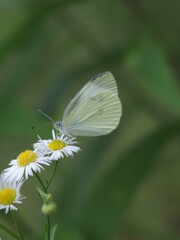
x=48 y=208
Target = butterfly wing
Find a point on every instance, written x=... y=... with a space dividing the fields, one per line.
x=95 y=110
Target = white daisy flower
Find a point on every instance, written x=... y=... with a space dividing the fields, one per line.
x=25 y=164
x=9 y=194
x=58 y=147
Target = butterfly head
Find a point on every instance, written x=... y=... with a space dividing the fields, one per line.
x=60 y=127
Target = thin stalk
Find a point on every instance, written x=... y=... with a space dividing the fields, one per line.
x=48 y=227
x=9 y=231
x=52 y=175
x=41 y=182
x=17 y=226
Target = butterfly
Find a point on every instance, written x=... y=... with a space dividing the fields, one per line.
x=95 y=110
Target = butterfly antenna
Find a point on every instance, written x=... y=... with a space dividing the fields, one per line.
x=44 y=124
x=44 y=114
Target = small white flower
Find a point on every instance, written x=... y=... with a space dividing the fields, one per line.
x=25 y=164
x=9 y=194
x=57 y=147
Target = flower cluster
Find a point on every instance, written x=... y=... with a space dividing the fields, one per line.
x=29 y=162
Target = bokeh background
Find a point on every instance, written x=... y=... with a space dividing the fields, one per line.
x=123 y=186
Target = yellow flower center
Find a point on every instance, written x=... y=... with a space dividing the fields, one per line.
x=7 y=196
x=26 y=157
x=57 y=145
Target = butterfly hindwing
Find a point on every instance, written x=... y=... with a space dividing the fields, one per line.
x=95 y=110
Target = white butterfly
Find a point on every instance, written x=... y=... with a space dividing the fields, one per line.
x=95 y=110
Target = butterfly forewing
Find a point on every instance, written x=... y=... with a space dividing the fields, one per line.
x=95 y=110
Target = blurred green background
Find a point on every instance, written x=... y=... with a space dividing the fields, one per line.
x=123 y=186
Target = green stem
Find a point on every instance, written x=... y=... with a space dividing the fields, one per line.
x=45 y=188
x=52 y=175
x=48 y=227
x=41 y=182
x=17 y=226
x=9 y=231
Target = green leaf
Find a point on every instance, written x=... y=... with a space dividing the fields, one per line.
x=53 y=232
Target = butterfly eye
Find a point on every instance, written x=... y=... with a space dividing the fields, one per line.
x=57 y=125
